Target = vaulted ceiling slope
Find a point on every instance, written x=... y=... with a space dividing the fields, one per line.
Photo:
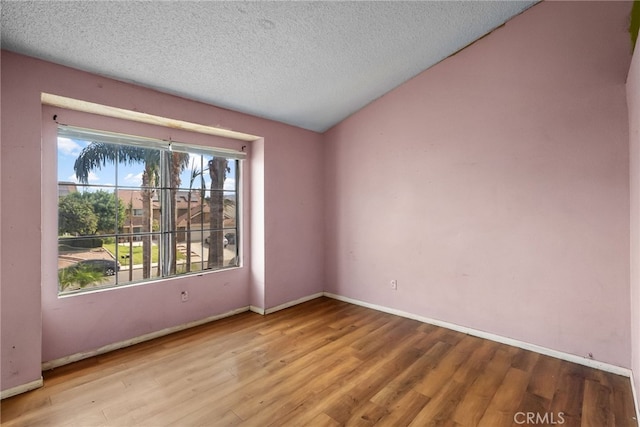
x=308 y=64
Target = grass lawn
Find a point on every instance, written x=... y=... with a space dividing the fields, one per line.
x=123 y=249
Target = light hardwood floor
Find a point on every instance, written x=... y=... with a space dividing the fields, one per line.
x=323 y=363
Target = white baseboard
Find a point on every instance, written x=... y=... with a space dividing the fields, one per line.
x=115 y=346
x=126 y=343
x=481 y=334
x=635 y=397
x=22 y=388
x=492 y=337
x=258 y=310
x=294 y=302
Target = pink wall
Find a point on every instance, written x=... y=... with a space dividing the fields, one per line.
x=494 y=186
x=298 y=196
x=285 y=164
x=258 y=245
x=633 y=101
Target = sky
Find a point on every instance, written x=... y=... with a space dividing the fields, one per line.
x=128 y=176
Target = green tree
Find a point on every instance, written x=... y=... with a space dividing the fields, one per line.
x=195 y=173
x=98 y=154
x=179 y=162
x=111 y=214
x=105 y=208
x=76 y=216
x=79 y=276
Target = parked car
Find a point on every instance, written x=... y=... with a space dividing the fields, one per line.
x=108 y=267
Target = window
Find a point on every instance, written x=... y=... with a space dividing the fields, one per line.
x=133 y=209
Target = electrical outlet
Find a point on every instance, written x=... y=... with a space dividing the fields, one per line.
x=184 y=295
x=394 y=285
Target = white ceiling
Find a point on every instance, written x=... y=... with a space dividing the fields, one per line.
x=309 y=64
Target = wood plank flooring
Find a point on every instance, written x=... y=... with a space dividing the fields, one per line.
x=323 y=363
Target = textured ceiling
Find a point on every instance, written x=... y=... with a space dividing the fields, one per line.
x=309 y=64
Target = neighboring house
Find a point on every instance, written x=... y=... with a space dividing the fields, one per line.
x=66 y=188
x=133 y=223
x=132 y=200
x=199 y=212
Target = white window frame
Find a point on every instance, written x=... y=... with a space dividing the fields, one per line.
x=169 y=146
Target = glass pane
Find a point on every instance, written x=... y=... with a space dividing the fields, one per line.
x=206 y=173
x=180 y=163
x=129 y=254
x=156 y=268
x=111 y=211
x=218 y=173
x=138 y=167
x=137 y=206
x=215 y=245
x=85 y=263
x=230 y=178
x=86 y=162
x=230 y=248
x=131 y=200
x=87 y=210
x=68 y=151
x=138 y=255
x=192 y=172
x=230 y=210
x=195 y=247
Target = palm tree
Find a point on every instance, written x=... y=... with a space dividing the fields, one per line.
x=218 y=169
x=195 y=173
x=80 y=276
x=179 y=162
x=148 y=190
x=98 y=154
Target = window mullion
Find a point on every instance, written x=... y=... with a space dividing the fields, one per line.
x=141 y=176
x=166 y=240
